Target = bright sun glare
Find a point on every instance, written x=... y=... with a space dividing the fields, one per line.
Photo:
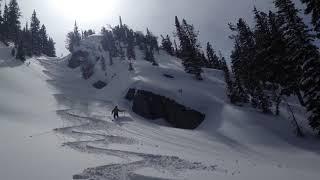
x=85 y=10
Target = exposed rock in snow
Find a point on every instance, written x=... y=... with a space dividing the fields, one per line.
x=99 y=84
x=153 y=106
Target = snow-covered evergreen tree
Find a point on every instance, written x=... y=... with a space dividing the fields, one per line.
x=50 y=48
x=189 y=47
x=130 y=48
x=313 y=8
x=35 y=35
x=303 y=60
x=43 y=39
x=213 y=59
x=166 y=44
x=73 y=38
x=13 y=21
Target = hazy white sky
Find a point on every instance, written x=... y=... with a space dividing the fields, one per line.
x=210 y=17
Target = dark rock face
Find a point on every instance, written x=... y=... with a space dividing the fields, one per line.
x=152 y=106
x=130 y=94
x=77 y=58
x=99 y=84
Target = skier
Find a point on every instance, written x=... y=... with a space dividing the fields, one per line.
x=115 y=112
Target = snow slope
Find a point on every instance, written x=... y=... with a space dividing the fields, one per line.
x=29 y=149
x=232 y=143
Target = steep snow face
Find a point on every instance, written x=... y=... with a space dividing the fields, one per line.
x=234 y=134
x=45 y=99
x=30 y=150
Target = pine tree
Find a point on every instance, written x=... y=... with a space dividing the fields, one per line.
x=313 y=8
x=130 y=48
x=297 y=39
x=1 y=22
x=167 y=45
x=50 y=48
x=6 y=22
x=150 y=46
x=189 y=48
x=243 y=56
x=303 y=60
x=13 y=22
x=43 y=37
x=35 y=28
x=73 y=38
x=213 y=60
x=27 y=40
x=230 y=87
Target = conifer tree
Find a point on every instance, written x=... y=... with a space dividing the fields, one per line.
x=73 y=38
x=213 y=60
x=43 y=39
x=130 y=48
x=313 y=8
x=1 y=22
x=230 y=85
x=50 y=48
x=303 y=60
x=167 y=45
x=6 y=21
x=13 y=21
x=298 y=41
x=189 y=46
x=243 y=56
x=35 y=36
x=150 y=46
x=27 y=40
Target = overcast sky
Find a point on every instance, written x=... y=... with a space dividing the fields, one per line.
x=210 y=17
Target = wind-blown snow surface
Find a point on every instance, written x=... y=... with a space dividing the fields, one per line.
x=71 y=129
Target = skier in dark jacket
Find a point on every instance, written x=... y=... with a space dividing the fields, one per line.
x=116 y=111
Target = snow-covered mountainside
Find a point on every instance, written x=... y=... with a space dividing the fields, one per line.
x=231 y=143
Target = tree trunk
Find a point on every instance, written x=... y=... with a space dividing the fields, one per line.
x=300 y=98
x=299 y=132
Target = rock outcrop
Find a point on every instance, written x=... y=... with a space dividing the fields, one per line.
x=153 y=106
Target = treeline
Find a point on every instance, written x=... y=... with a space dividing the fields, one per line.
x=277 y=58
x=274 y=59
x=28 y=41
x=120 y=41
x=190 y=51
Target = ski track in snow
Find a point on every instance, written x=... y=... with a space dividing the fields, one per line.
x=93 y=135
